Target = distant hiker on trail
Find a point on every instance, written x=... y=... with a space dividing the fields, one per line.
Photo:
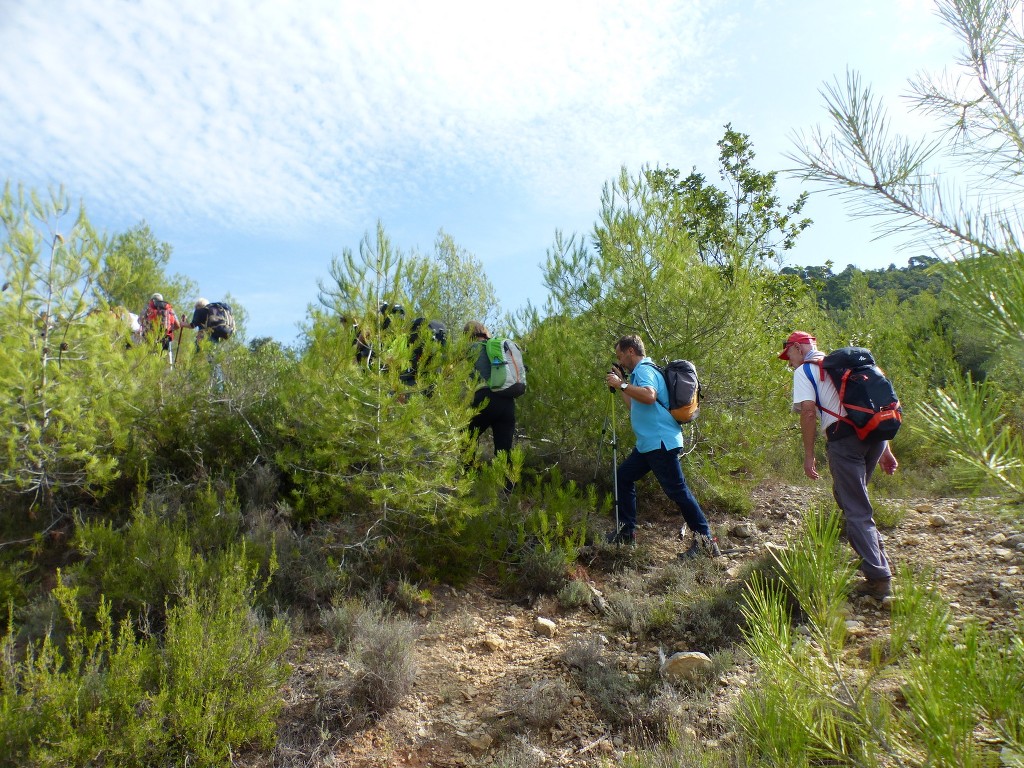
x=158 y=321
x=421 y=333
x=359 y=340
x=496 y=412
x=658 y=443
x=851 y=459
x=130 y=323
x=213 y=321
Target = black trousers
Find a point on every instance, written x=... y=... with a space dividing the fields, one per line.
x=499 y=415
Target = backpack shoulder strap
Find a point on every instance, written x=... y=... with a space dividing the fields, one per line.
x=661 y=371
x=817 y=398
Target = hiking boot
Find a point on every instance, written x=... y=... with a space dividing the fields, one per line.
x=621 y=536
x=876 y=588
x=703 y=546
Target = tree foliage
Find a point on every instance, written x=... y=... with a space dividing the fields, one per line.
x=135 y=267
x=743 y=224
x=62 y=385
x=644 y=275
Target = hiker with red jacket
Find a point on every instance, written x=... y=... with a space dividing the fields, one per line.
x=159 y=321
x=850 y=459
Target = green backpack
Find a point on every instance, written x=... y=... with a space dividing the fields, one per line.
x=508 y=373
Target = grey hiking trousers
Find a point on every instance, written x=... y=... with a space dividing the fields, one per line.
x=851 y=461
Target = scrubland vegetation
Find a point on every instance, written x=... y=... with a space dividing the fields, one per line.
x=165 y=530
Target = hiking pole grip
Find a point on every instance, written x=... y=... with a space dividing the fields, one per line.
x=619 y=371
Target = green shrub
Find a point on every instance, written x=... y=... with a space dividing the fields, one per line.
x=222 y=667
x=575 y=594
x=715 y=622
x=539 y=571
x=208 y=687
x=13 y=587
x=409 y=597
x=813 y=703
x=141 y=567
x=889 y=514
x=380 y=655
x=678 y=752
x=345 y=619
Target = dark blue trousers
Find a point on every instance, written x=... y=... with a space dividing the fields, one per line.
x=665 y=466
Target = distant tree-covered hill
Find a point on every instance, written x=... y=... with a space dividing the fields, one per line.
x=833 y=289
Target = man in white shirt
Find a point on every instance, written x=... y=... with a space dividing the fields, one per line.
x=850 y=459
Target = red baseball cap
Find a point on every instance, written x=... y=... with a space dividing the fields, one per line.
x=796 y=337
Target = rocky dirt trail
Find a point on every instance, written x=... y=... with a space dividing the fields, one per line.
x=477 y=648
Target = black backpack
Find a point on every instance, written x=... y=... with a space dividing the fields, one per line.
x=219 y=320
x=683 y=389
x=872 y=407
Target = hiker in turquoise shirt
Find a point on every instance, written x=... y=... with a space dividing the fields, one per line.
x=658 y=443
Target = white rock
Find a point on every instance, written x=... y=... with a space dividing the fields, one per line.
x=997 y=539
x=924 y=508
x=1006 y=555
x=743 y=531
x=855 y=629
x=545 y=627
x=937 y=521
x=480 y=742
x=686 y=666
x=493 y=643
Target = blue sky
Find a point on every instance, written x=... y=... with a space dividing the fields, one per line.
x=260 y=139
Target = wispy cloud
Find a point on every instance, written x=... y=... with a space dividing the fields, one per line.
x=264 y=114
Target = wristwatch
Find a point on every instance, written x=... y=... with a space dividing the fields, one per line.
x=623 y=385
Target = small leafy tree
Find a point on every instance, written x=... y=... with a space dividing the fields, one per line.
x=362 y=442
x=64 y=372
x=454 y=285
x=643 y=275
x=743 y=224
x=134 y=267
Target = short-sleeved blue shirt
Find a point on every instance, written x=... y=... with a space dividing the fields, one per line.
x=653 y=425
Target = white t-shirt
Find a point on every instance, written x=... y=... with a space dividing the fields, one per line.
x=828 y=397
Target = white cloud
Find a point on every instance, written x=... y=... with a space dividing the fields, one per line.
x=274 y=112
x=297 y=125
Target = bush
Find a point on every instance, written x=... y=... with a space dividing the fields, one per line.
x=540 y=571
x=206 y=688
x=953 y=685
x=889 y=514
x=380 y=655
x=575 y=594
x=385 y=666
x=346 y=619
x=542 y=704
x=140 y=569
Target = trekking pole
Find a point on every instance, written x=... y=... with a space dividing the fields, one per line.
x=181 y=332
x=615 y=465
